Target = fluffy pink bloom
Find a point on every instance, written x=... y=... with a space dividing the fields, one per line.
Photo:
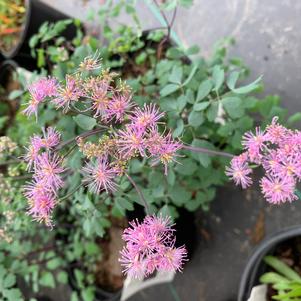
x=36 y=98
x=41 y=206
x=271 y=162
x=172 y=259
x=289 y=167
x=32 y=153
x=254 y=144
x=166 y=152
x=48 y=86
x=44 y=87
x=239 y=173
x=131 y=142
x=51 y=138
x=275 y=132
x=48 y=169
x=145 y=117
x=277 y=190
x=150 y=247
x=100 y=176
x=100 y=97
x=68 y=94
x=117 y=108
x=132 y=264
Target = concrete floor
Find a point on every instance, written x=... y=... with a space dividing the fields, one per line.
x=268 y=35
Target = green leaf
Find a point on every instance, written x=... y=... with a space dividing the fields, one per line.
x=233 y=106
x=272 y=278
x=9 y=281
x=203 y=158
x=179 y=129
x=123 y=203
x=176 y=75
x=74 y=296
x=47 y=279
x=85 y=122
x=212 y=111
x=294 y=118
x=15 y=94
x=282 y=268
x=179 y=195
x=169 y=89
x=62 y=277
x=171 y=177
x=13 y=294
x=191 y=74
x=201 y=106
x=53 y=263
x=195 y=119
x=232 y=79
x=88 y=294
x=193 y=50
x=186 y=167
x=204 y=89
x=248 y=88
x=218 y=76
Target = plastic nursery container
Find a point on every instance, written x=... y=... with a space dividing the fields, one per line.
x=256 y=267
x=36 y=14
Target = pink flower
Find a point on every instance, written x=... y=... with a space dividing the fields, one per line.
x=117 y=107
x=36 y=98
x=150 y=247
x=51 y=138
x=41 y=206
x=47 y=171
x=167 y=151
x=275 y=132
x=48 y=86
x=239 y=172
x=271 y=162
x=69 y=94
x=254 y=144
x=100 y=98
x=130 y=142
x=172 y=259
x=277 y=190
x=44 y=87
x=148 y=116
x=100 y=176
x=132 y=265
x=32 y=152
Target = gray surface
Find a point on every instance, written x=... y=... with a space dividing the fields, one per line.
x=268 y=34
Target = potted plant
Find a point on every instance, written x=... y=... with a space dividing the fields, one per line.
x=21 y=19
x=268 y=265
x=117 y=132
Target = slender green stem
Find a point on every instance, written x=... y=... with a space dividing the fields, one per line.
x=207 y=151
x=83 y=135
x=139 y=193
x=71 y=192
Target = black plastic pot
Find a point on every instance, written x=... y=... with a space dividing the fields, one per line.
x=36 y=14
x=256 y=267
x=7 y=68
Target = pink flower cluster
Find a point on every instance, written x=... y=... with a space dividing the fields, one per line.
x=278 y=150
x=39 y=91
x=46 y=167
x=141 y=136
x=150 y=247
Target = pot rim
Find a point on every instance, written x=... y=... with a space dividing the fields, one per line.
x=254 y=261
x=14 y=51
